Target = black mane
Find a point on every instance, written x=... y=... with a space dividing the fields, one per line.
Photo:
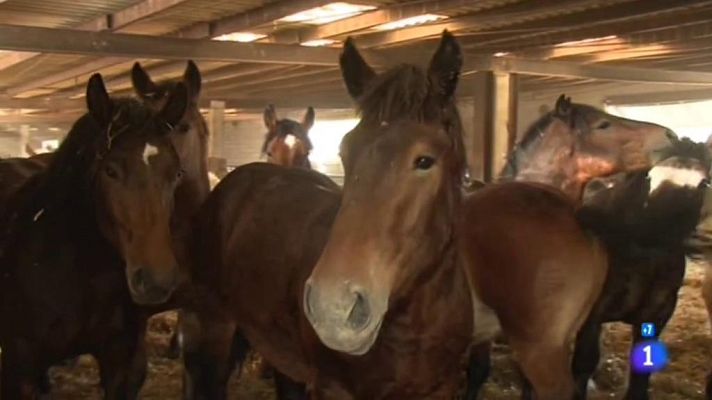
x=536 y=131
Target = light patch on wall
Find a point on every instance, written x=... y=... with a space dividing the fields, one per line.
x=326 y=137
x=690 y=119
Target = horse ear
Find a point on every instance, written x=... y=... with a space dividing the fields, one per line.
x=563 y=106
x=356 y=72
x=445 y=66
x=98 y=102
x=176 y=104
x=270 y=117
x=193 y=80
x=142 y=83
x=308 y=120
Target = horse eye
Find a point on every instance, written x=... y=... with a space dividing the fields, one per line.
x=604 y=125
x=180 y=174
x=423 y=162
x=111 y=172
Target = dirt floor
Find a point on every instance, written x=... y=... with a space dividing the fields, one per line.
x=687 y=337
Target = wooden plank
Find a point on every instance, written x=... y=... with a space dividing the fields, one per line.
x=115 y=21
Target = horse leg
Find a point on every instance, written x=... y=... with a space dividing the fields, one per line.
x=287 y=389
x=548 y=367
x=207 y=354
x=478 y=369
x=587 y=353
x=123 y=363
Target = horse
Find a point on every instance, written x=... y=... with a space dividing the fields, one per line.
x=644 y=219
x=14 y=173
x=287 y=141
x=321 y=323
x=87 y=240
x=567 y=148
x=574 y=143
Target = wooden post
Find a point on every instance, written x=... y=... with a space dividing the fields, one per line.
x=23 y=140
x=494 y=126
x=216 y=127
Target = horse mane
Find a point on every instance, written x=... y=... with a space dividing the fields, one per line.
x=535 y=132
x=687 y=148
x=405 y=92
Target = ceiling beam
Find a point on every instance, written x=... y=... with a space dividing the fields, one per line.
x=621 y=19
x=676 y=96
x=378 y=17
x=204 y=30
x=496 y=18
x=100 y=44
x=113 y=22
x=568 y=69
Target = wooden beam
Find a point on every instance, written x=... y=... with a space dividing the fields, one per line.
x=176 y=69
x=575 y=70
x=55 y=105
x=620 y=20
x=486 y=20
x=66 y=41
x=205 y=30
x=676 y=96
x=378 y=17
x=113 y=22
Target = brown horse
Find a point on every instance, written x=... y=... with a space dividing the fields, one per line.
x=191 y=144
x=567 y=148
x=389 y=292
x=87 y=239
x=286 y=141
x=575 y=143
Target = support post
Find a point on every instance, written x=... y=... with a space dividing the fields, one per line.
x=216 y=127
x=494 y=126
x=23 y=140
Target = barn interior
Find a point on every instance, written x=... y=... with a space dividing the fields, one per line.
x=643 y=59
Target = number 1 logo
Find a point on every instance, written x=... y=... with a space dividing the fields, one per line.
x=648 y=357
x=648 y=350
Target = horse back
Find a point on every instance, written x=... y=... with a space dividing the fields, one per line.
x=529 y=260
x=259 y=235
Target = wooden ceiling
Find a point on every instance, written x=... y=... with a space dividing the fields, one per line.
x=52 y=47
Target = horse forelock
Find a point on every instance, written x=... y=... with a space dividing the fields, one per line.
x=404 y=92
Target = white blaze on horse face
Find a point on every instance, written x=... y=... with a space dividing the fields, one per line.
x=681 y=177
x=148 y=151
x=290 y=140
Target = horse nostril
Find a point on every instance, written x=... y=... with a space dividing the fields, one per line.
x=307 y=299
x=138 y=280
x=360 y=312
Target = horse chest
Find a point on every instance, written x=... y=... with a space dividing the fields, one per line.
x=419 y=353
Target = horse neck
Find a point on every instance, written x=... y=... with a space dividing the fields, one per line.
x=195 y=187
x=561 y=176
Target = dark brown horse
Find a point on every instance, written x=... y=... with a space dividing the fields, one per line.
x=286 y=141
x=16 y=171
x=86 y=240
x=644 y=219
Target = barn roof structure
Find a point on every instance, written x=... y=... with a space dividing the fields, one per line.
x=254 y=52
